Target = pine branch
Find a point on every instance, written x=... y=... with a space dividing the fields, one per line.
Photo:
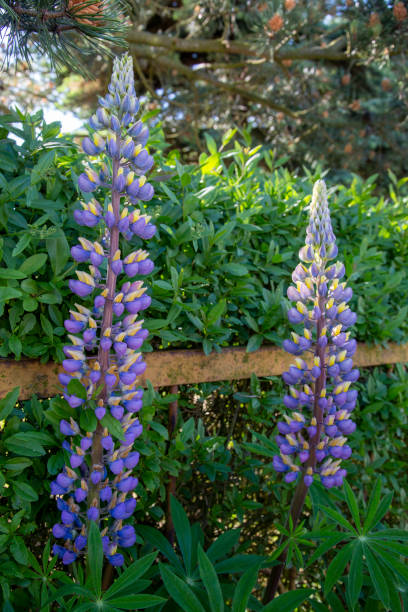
x=64 y=30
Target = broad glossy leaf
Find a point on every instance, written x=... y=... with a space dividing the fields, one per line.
x=8 y=403
x=25 y=491
x=33 y=263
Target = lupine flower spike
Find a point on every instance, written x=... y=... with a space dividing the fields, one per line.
x=98 y=484
x=313 y=437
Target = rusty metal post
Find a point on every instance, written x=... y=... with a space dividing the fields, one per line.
x=171 y=484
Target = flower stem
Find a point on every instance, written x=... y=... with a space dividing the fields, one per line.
x=301 y=490
x=104 y=356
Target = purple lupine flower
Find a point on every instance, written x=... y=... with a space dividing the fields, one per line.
x=88 y=489
x=312 y=439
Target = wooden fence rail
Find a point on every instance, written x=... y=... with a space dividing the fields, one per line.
x=180 y=367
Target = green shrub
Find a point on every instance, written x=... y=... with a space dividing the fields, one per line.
x=227 y=243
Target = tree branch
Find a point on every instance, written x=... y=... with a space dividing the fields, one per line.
x=197 y=75
x=334 y=52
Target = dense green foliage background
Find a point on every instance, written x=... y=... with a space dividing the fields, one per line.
x=229 y=230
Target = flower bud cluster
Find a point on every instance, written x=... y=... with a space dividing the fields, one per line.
x=313 y=437
x=98 y=483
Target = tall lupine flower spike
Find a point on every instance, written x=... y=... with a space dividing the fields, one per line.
x=312 y=438
x=98 y=484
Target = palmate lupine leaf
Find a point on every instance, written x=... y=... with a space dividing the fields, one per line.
x=180 y=591
x=367 y=545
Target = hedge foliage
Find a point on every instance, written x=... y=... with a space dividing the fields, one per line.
x=229 y=232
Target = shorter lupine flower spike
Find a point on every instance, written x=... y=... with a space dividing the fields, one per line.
x=312 y=438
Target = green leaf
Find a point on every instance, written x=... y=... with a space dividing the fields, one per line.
x=130 y=575
x=223 y=544
x=393 y=563
x=113 y=426
x=25 y=491
x=30 y=304
x=15 y=346
x=339 y=518
x=373 y=503
x=235 y=269
x=211 y=144
x=28 y=443
x=58 y=250
x=157 y=539
x=137 y=602
x=244 y=589
x=17 y=464
x=325 y=546
x=352 y=504
x=179 y=591
x=375 y=514
x=74 y=387
x=377 y=577
x=8 y=273
x=22 y=244
x=88 y=420
x=183 y=531
x=47 y=327
x=95 y=558
x=45 y=161
x=8 y=293
x=335 y=603
x=34 y=263
x=336 y=567
x=210 y=581
x=287 y=602
x=237 y=564
x=27 y=324
x=355 y=577
x=50 y=298
x=394 y=589
x=70 y=589
x=19 y=550
x=216 y=312
x=254 y=343
x=7 y=403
